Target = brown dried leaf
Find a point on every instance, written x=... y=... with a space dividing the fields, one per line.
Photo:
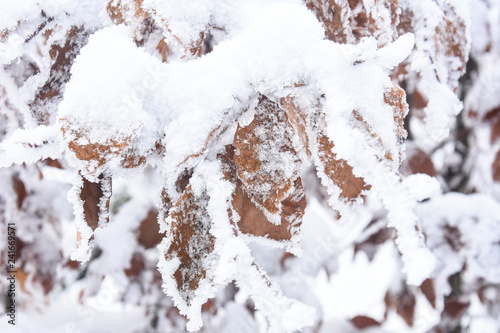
x=98 y=152
x=371 y=244
x=496 y=168
x=193 y=48
x=395 y=97
x=120 y=11
x=165 y=204
x=148 y=234
x=131 y=158
x=449 y=39
x=253 y=222
x=366 y=24
x=131 y=13
x=298 y=120
x=453 y=237
x=493 y=117
x=448 y=50
x=418 y=103
x=267 y=160
x=62 y=57
x=163 y=49
x=368 y=128
x=209 y=307
x=53 y=163
x=330 y=13
x=130 y=161
x=196 y=47
x=22 y=277
x=362 y=322
x=95 y=200
x=252 y=219
x=455 y=308
x=405 y=21
x=339 y=171
x=183 y=180
x=72 y=264
x=192 y=242
x=347 y=21
x=46 y=280
x=417 y=161
x=137 y=265
x=20 y=190
x=428 y=290
x=404 y=302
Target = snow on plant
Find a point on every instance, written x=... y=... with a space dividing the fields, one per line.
x=217 y=114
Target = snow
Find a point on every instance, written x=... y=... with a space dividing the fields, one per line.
x=120 y=98
x=185 y=18
x=103 y=102
x=477 y=231
x=12 y=12
x=29 y=146
x=434 y=69
x=361 y=286
x=99 y=315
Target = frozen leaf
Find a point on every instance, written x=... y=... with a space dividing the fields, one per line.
x=396 y=98
x=339 y=171
x=348 y=21
x=163 y=49
x=298 y=119
x=20 y=190
x=90 y=201
x=62 y=56
x=149 y=231
x=95 y=198
x=496 y=167
x=494 y=118
x=97 y=157
x=455 y=308
x=363 y=322
x=404 y=303
x=451 y=51
x=417 y=161
x=455 y=225
x=428 y=290
x=126 y=11
x=332 y=14
x=137 y=265
x=94 y=155
x=251 y=220
x=191 y=243
x=145 y=28
x=267 y=157
x=441 y=51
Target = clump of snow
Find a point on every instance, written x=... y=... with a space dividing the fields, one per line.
x=463 y=235
x=29 y=146
x=103 y=102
